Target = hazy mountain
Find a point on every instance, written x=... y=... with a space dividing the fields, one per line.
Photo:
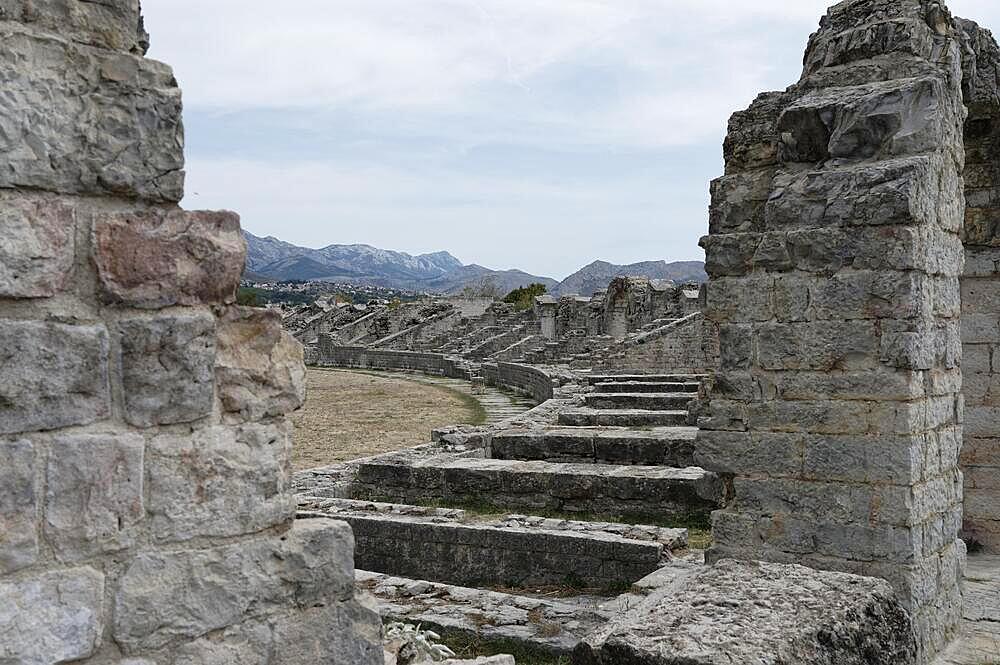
x=440 y=272
x=596 y=276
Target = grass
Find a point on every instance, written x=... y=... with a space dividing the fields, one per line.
x=476 y=411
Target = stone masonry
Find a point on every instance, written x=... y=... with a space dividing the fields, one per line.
x=981 y=292
x=146 y=515
x=834 y=258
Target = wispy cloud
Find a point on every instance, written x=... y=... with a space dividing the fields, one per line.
x=423 y=124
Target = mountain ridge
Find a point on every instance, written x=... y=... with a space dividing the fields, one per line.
x=269 y=258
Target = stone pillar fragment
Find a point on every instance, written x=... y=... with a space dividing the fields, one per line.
x=834 y=258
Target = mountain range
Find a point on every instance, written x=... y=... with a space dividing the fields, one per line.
x=440 y=272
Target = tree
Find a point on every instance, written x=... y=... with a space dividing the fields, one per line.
x=524 y=297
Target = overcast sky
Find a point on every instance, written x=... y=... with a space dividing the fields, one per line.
x=537 y=134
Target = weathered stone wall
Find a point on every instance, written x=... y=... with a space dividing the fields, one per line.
x=145 y=507
x=981 y=293
x=835 y=257
x=687 y=346
x=522 y=378
x=329 y=354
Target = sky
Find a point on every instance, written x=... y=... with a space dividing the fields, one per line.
x=531 y=134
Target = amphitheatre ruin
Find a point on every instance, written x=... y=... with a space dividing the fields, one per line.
x=797 y=462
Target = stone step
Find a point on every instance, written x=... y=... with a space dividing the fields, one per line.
x=553 y=626
x=646 y=387
x=655 y=378
x=664 y=446
x=512 y=551
x=630 y=493
x=645 y=401
x=589 y=417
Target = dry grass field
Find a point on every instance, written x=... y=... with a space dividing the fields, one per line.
x=348 y=415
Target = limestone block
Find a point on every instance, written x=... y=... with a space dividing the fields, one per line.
x=54 y=375
x=982 y=225
x=872 y=295
x=94 y=494
x=752 y=141
x=80 y=120
x=738 y=202
x=18 y=506
x=842 y=345
x=903 y=37
x=730 y=254
x=893 y=192
x=349 y=632
x=219 y=481
x=36 y=246
x=259 y=367
x=112 y=24
x=54 y=617
x=884 y=119
x=160 y=257
x=759 y=613
x=188 y=594
x=982 y=262
x=167 y=368
x=739 y=299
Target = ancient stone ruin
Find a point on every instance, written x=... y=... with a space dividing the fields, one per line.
x=146 y=515
x=817 y=406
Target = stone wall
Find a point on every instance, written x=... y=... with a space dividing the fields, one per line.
x=834 y=256
x=145 y=507
x=328 y=354
x=522 y=378
x=981 y=294
x=687 y=346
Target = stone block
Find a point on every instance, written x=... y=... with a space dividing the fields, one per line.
x=112 y=24
x=55 y=375
x=168 y=367
x=53 y=617
x=349 y=632
x=738 y=202
x=94 y=494
x=833 y=345
x=37 y=239
x=18 y=506
x=748 y=612
x=81 y=120
x=752 y=141
x=161 y=257
x=872 y=295
x=187 y=594
x=730 y=254
x=219 y=481
x=901 y=38
x=887 y=193
x=885 y=119
x=259 y=367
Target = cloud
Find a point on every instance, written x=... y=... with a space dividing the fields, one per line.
x=538 y=133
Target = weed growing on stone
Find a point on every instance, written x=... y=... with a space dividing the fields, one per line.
x=468 y=646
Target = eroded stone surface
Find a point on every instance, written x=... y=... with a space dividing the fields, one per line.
x=187 y=594
x=259 y=369
x=94 y=494
x=54 y=375
x=88 y=121
x=36 y=246
x=159 y=257
x=740 y=612
x=18 y=506
x=219 y=481
x=112 y=24
x=51 y=618
x=167 y=368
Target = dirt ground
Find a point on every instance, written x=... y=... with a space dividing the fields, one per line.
x=348 y=415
